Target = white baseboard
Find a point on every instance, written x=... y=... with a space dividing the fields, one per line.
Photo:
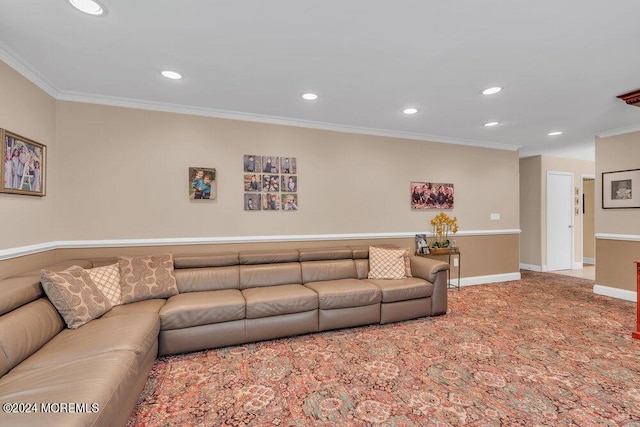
x=591 y=261
x=483 y=280
x=531 y=267
x=615 y=293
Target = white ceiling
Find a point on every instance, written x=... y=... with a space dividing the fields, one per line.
x=561 y=63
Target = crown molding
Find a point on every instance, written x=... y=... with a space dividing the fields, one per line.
x=262 y=118
x=27 y=71
x=618 y=131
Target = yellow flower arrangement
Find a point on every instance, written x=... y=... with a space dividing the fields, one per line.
x=443 y=225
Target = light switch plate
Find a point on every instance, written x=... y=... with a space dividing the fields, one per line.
x=495 y=217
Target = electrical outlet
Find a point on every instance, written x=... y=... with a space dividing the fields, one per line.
x=495 y=217
x=455 y=262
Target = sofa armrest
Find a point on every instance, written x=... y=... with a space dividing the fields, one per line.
x=435 y=272
x=427 y=268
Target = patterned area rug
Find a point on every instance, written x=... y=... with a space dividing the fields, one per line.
x=544 y=350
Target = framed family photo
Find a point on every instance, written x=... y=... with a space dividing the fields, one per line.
x=431 y=195
x=202 y=183
x=25 y=164
x=621 y=189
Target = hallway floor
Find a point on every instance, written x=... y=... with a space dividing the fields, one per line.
x=588 y=271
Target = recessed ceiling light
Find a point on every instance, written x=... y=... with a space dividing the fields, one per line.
x=309 y=96
x=410 y=110
x=88 y=6
x=172 y=75
x=554 y=133
x=491 y=90
x=489 y=124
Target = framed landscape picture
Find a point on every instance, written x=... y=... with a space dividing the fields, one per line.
x=25 y=165
x=621 y=189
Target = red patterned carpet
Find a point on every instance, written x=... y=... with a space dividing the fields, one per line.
x=540 y=351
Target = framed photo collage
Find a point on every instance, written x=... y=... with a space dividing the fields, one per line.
x=270 y=183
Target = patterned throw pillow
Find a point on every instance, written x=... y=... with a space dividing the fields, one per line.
x=107 y=279
x=385 y=263
x=407 y=263
x=147 y=277
x=74 y=295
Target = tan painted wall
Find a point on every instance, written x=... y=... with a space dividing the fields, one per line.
x=118 y=173
x=28 y=111
x=126 y=177
x=589 y=220
x=480 y=255
x=533 y=181
x=614 y=265
x=530 y=210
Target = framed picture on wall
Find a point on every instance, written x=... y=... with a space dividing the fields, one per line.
x=621 y=189
x=202 y=183
x=25 y=164
x=431 y=195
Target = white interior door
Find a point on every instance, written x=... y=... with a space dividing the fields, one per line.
x=560 y=205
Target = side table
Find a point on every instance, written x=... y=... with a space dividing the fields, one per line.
x=452 y=252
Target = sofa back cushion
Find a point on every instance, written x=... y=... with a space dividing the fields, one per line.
x=315 y=271
x=207 y=278
x=252 y=276
x=24 y=330
x=319 y=254
x=272 y=256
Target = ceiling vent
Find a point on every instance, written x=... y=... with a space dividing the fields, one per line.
x=631 y=98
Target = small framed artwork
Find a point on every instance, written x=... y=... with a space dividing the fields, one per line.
x=288 y=165
x=271 y=202
x=422 y=247
x=270 y=164
x=252 y=182
x=270 y=182
x=252 y=202
x=290 y=202
x=621 y=189
x=252 y=163
x=431 y=195
x=289 y=183
x=202 y=183
x=25 y=164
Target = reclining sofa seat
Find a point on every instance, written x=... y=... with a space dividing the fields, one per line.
x=238 y=297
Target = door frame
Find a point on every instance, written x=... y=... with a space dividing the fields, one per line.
x=572 y=216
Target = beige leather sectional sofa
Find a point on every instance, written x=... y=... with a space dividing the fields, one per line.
x=93 y=375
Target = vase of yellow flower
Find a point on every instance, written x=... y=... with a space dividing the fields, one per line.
x=442 y=225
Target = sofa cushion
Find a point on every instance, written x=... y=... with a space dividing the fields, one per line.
x=150 y=306
x=109 y=380
x=318 y=254
x=253 y=276
x=202 y=308
x=220 y=259
x=107 y=279
x=345 y=293
x=386 y=263
x=316 y=271
x=18 y=291
x=208 y=278
x=74 y=295
x=147 y=277
x=135 y=333
x=277 y=300
x=271 y=256
x=403 y=289
x=25 y=330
